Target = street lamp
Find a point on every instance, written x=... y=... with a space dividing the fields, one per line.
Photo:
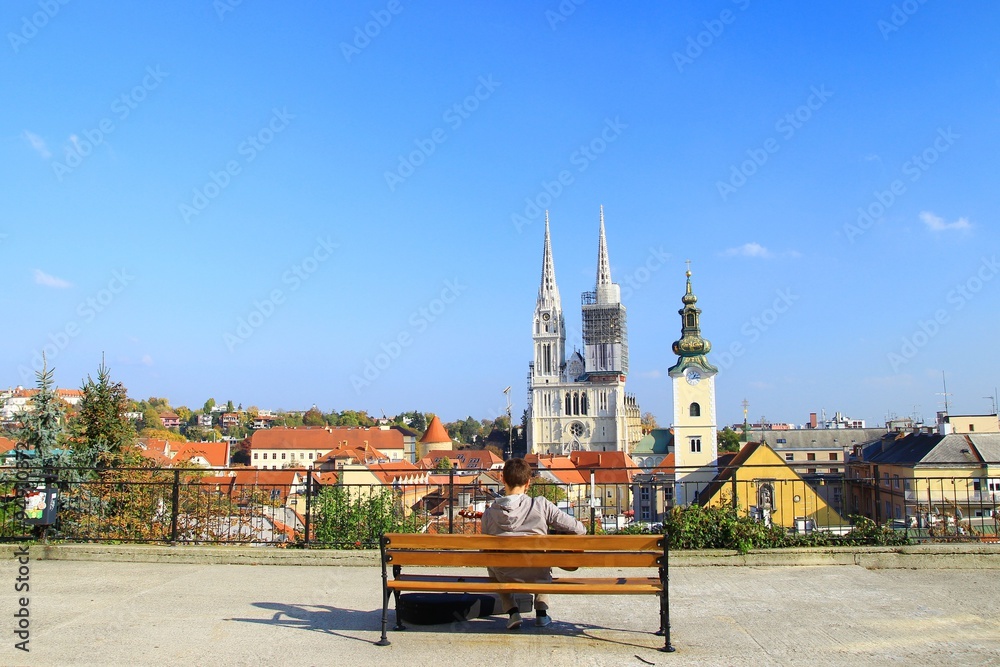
x=510 y=426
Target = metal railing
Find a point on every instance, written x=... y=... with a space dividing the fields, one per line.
x=216 y=506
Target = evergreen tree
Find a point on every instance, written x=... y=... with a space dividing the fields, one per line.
x=42 y=429
x=102 y=431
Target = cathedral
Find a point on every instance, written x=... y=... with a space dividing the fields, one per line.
x=578 y=402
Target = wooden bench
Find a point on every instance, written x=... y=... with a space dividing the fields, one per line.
x=565 y=551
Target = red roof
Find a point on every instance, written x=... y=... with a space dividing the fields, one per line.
x=561 y=468
x=435 y=432
x=216 y=453
x=666 y=466
x=608 y=467
x=360 y=437
x=293 y=438
x=388 y=472
x=468 y=459
x=327 y=439
x=6 y=444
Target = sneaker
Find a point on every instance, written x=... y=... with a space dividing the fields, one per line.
x=514 y=622
x=542 y=621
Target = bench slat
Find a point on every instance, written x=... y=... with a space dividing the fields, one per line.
x=525 y=542
x=622 y=586
x=531 y=559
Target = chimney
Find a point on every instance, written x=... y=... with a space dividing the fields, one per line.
x=812 y=420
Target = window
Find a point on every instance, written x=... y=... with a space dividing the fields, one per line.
x=282 y=455
x=609 y=494
x=668 y=493
x=696 y=444
x=310 y=456
x=645 y=514
x=899 y=513
x=885 y=478
x=833 y=456
x=255 y=455
x=690 y=319
x=811 y=456
x=789 y=457
x=888 y=508
x=972 y=427
x=781 y=441
x=576 y=428
x=695 y=410
x=895 y=483
x=644 y=493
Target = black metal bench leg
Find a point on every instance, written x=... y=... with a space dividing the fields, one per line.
x=664 y=630
x=384 y=641
x=399 y=622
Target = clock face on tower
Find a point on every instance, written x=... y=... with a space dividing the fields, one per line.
x=692 y=376
x=546 y=316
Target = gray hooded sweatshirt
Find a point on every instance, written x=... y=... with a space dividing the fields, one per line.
x=521 y=514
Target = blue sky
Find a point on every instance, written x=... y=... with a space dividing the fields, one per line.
x=254 y=201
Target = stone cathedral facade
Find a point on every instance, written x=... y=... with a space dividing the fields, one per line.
x=577 y=402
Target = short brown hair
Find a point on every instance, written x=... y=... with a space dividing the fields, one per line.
x=516 y=472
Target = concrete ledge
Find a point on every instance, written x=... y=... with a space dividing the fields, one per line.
x=966 y=556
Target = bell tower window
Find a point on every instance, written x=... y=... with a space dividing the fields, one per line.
x=695 y=410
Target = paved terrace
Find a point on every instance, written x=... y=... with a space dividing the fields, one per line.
x=106 y=605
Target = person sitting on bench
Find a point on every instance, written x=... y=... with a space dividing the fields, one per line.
x=518 y=514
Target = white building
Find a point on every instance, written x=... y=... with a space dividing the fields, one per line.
x=578 y=403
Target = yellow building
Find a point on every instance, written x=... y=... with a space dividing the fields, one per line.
x=766 y=487
x=928 y=480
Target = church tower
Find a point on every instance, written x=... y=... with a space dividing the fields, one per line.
x=578 y=402
x=605 y=334
x=550 y=327
x=695 y=446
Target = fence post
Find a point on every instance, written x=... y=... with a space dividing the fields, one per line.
x=878 y=496
x=736 y=501
x=451 y=499
x=309 y=478
x=175 y=502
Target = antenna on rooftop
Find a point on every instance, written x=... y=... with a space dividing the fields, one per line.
x=994 y=399
x=944 y=393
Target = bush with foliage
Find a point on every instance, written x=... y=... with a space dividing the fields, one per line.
x=355 y=517
x=697 y=527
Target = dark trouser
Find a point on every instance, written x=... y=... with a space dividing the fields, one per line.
x=525 y=575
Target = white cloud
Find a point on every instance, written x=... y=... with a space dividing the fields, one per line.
x=752 y=249
x=755 y=250
x=937 y=224
x=37 y=143
x=43 y=278
x=653 y=374
x=147 y=360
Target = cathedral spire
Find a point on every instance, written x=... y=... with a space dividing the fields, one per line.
x=603 y=266
x=548 y=291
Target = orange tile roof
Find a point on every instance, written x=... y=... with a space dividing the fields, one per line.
x=562 y=468
x=608 y=467
x=216 y=453
x=378 y=438
x=435 y=432
x=666 y=465
x=391 y=471
x=6 y=444
x=327 y=439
